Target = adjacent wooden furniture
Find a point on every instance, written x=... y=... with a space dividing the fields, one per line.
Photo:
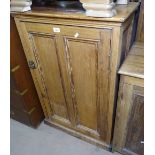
x=74 y=61
x=25 y=105
x=129 y=126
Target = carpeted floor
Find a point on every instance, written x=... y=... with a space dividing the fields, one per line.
x=46 y=140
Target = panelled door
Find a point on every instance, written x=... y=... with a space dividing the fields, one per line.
x=73 y=64
x=129 y=126
x=87 y=59
x=44 y=50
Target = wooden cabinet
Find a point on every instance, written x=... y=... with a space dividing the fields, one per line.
x=74 y=61
x=25 y=105
x=129 y=127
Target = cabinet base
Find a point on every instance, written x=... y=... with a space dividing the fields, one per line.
x=79 y=135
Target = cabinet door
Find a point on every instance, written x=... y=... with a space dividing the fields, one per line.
x=129 y=128
x=44 y=52
x=87 y=59
x=135 y=132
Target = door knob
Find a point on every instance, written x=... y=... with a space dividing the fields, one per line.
x=31 y=64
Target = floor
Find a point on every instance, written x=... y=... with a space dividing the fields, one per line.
x=46 y=140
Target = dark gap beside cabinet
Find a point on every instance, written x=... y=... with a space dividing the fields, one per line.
x=24 y=101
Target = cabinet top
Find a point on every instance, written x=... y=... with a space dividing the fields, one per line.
x=123 y=13
x=134 y=63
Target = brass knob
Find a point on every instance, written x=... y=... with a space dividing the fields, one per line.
x=31 y=64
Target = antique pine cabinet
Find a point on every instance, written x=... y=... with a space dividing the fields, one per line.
x=74 y=61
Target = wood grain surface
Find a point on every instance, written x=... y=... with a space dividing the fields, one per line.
x=76 y=68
